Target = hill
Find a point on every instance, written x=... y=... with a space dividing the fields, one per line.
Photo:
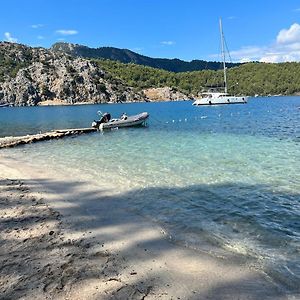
x=128 y=56
x=36 y=76
x=247 y=79
x=31 y=76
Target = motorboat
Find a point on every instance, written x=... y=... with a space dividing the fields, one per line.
x=106 y=122
x=217 y=97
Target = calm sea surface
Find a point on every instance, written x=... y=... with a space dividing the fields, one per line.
x=220 y=179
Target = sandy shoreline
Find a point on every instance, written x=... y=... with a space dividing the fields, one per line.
x=66 y=239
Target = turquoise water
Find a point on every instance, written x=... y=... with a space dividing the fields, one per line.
x=221 y=179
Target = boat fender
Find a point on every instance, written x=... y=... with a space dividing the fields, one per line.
x=94 y=124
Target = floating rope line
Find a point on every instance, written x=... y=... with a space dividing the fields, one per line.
x=198 y=118
x=181 y=120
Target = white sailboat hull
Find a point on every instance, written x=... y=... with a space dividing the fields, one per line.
x=221 y=100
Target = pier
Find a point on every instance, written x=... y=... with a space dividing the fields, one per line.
x=13 y=141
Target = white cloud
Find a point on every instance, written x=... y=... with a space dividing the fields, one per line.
x=272 y=58
x=290 y=35
x=35 y=26
x=66 y=31
x=248 y=53
x=286 y=48
x=40 y=37
x=245 y=60
x=168 y=43
x=9 y=38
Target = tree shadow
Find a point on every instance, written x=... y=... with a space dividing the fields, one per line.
x=99 y=221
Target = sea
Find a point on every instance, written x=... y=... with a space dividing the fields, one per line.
x=224 y=180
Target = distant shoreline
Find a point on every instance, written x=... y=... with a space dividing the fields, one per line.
x=63 y=103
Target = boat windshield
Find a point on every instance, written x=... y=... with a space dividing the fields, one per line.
x=213 y=95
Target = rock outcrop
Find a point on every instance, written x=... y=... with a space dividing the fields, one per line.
x=164 y=94
x=29 y=76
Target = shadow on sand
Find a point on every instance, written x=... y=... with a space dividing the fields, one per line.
x=101 y=222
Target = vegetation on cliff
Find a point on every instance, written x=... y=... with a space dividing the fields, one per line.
x=29 y=76
x=247 y=79
x=128 y=56
x=192 y=77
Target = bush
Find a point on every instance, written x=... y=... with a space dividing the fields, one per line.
x=101 y=87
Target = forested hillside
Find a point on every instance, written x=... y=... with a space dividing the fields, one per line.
x=128 y=56
x=248 y=79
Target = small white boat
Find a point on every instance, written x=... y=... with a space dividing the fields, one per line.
x=105 y=122
x=218 y=98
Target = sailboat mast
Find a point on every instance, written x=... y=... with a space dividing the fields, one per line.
x=223 y=55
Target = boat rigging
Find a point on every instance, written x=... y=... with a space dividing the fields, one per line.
x=216 y=98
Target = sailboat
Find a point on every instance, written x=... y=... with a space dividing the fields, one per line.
x=216 y=98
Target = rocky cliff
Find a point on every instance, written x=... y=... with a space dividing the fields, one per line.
x=31 y=76
x=165 y=94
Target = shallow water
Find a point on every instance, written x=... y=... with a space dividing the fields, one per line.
x=221 y=179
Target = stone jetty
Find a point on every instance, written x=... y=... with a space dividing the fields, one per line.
x=13 y=141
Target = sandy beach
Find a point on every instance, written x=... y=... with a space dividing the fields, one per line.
x=62 y=238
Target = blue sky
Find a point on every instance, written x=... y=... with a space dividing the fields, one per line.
x=265 y=30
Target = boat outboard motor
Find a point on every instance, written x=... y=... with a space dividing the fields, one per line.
x=104 y=119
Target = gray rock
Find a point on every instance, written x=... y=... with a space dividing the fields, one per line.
x=165 y=93
x=44 y=75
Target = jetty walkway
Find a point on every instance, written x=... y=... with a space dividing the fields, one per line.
x=13 y=141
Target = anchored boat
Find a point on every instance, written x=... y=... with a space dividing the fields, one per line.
x=106 y=122
x=216 y=98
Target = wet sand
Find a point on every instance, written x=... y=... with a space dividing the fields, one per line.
x=62 y=238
